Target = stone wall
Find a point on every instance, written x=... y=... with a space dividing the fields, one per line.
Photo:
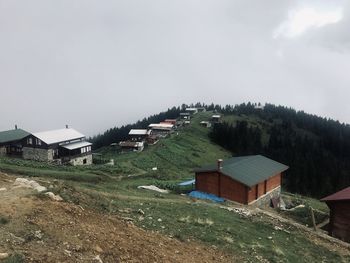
x=37 y=154
x=2 y=150
x=80 y=160
x=265 y=200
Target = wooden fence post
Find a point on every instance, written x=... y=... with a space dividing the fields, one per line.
x=313 y=218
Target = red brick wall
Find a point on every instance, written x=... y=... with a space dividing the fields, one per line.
x=261 y=189
x=208 y=182
x=252 y=194
x=273 y=182
x=232 y=190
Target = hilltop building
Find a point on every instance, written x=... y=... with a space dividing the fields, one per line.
x=161 y=129
x=127 y=146
x=216 y=118
x=247 y=179
x=191 y=110
x=339 y=219
x=60 y=146
x=139 y=135
x=10 y=142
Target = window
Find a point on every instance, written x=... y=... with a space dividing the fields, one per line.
x=38 y=141
x=83 y=150
x=84 y=161
x=30 y=141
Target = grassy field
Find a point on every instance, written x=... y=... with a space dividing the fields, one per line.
x=113 y=189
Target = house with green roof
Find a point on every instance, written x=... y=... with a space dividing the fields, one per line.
x=246 y=179
x=10 y=141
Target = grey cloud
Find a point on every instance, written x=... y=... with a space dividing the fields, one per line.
x=96 y=64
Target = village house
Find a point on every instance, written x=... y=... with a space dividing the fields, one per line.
x=161 y=129
x=216 y=118
x=201 y=109
x=10 y=142
x=170 y=121
x=339 y=218
x=139 y=135
x=206 y=124
x=248 y=179
x=61 y=146
x=191 y=110
x=127 y=146
x=185 y=116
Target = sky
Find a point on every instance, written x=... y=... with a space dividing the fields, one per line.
x=99 y=64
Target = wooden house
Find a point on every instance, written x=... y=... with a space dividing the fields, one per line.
x=185 y=116
x=339 y=219
x=247 y=179
x=216 y=118
x=201 y=109
x=206 y=124
x=161 y=129
x=191 y=110
x=60 y=146
x=128 y=146
x=139 y=135
x=10 y=142
x=170 y=121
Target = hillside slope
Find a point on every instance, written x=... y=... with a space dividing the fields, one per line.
x=110 y=193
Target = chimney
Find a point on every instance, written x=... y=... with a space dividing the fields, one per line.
x=15 y=126
x=66 y=126
x=220 y=164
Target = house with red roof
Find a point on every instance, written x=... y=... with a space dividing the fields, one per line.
x=339 y=221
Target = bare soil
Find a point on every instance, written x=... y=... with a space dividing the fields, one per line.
x=46 y=231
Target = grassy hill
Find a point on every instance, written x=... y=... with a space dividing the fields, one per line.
x=248 y=234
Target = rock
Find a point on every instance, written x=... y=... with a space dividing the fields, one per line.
x=159 y=220
x=98 y=259
x=3 y=189
x=4 y=255
x=140 y=211
x=98 y=249
x=54 y=197
x=38 y=234
x=22 y=182
x=269 y=237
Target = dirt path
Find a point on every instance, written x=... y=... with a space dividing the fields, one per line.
x=47 y=231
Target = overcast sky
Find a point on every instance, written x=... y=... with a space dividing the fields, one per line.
x=99 y=64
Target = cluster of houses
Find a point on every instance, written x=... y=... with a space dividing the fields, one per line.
x=60 y=146
x=155 y=131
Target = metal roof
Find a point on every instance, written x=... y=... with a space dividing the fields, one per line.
x=161 y=126
x=249 y=170
x=57 y=136
x=342 y=195
x=76 y=145
x=12 y=135
x=138 y=132
x=216 y=116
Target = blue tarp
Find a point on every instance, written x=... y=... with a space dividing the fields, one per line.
x=187 y=182
x=202 y=195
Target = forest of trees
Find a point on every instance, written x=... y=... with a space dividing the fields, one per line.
x=317 y=150
x=118 y=134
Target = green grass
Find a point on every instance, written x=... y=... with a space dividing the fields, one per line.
x=113 y=189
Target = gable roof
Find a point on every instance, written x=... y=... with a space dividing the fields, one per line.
x=342 y=195
x=248 y=170
x=13 y=135
x=57 y=136
x=138 y=132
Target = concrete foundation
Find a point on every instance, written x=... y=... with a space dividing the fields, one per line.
x=82 y=160
x=37 y=154
x=265 y=200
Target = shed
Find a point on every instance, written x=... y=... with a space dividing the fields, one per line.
x=191 y=110
x=339 y=218
x=245 y=179
x=128 y=146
